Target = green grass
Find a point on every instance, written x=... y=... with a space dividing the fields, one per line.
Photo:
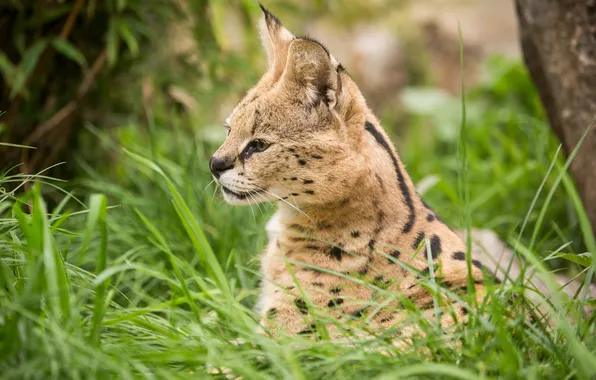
x=139 y=271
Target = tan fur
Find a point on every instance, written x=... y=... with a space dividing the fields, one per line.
x=344 y=206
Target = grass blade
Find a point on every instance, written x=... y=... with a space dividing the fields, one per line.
x=98 y=208
x=192 y=227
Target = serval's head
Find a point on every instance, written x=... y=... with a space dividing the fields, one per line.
x=296 y=135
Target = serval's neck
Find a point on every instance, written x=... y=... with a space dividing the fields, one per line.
x=383 y=205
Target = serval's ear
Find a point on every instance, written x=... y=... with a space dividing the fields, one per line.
x=276 y=40
x=312 y=71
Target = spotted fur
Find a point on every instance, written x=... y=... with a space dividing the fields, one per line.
x=346 y=205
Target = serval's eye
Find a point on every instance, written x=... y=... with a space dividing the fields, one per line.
x=260 y=145
x=228 y=129
x=255 y=146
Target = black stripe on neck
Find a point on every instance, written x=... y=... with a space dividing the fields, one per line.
x=400 y=177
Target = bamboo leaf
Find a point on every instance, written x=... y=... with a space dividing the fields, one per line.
x=6 y=68
x=112 y=43
x=26 y=66
x=129 y=39
x=70 y=51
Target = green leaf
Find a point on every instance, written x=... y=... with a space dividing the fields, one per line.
x=7 y=278
x=583 y=259
x=6 y=68
x=129 y=39
x=67 y=49
x=49 y=14
x=27 y=65
x=112 y=43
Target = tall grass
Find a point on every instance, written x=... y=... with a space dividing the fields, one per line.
x=139 y=270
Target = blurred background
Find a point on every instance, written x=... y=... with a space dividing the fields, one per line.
x=84 y=81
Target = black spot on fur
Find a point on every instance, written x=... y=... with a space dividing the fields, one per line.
x=371 y=244
x=364 y=270
x=311 y=192
x=435 y=246
x=430 y=217
x=459 y=255
x=400 y=177
x=395 y=254
x=418 y=240
x=308 y=181
x=309 y=330
x=335 y=290
x=381 y=184
x=323 y=225
x=380 y=281
x=359 y=313
x=301 y=305
x=291 y=150
x=464 y=311
x=477 y=264
x=318 y=284
x=290 y=287
x=295 y=194
x=317 y=157
x=256 y=122
x=293 y=178
x=271 y=313
x=355 y=234
x=298 y=239
x=434 y=214
x=302 y=162
x=335 y=302
x=337 y=253
x=313 y=247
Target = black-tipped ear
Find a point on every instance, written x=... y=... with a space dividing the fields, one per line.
x=276 y=40
x=269 y=17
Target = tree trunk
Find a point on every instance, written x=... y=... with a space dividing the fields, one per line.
x=558 y=40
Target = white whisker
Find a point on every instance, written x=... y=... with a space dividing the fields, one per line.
x=286 y=202
x=206 y=187
x=254 y=216
x=215 y=190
